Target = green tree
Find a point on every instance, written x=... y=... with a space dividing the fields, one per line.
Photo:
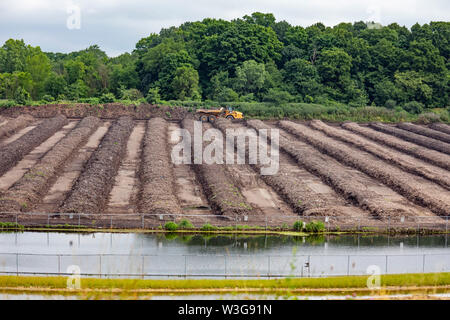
x=185 y=83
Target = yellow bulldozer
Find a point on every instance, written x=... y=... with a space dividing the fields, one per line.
x=211 y=115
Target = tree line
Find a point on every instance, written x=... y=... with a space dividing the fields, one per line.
x=250 y=59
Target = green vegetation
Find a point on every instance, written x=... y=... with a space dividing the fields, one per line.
x=185 y=224
x=11 y=226
x=263 y=67
x=208 y=227
x=338 y=285
x=171 y=226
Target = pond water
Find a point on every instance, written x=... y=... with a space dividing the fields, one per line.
x=199 y=256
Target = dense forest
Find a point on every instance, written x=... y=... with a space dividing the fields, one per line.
x=252 y=59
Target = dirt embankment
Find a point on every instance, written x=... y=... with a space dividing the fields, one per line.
x=434 y=157
x=156 y=175
x=16 y=150
x=442 y=127
x=14 y=125
x=424 y=131
x=106 y=111
x=405 y=162
x=413 y=137
x=414 y=188
x=35 y=183
x=224 y=196
x=90 y=192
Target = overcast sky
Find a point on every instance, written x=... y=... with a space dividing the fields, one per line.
x=116 y=25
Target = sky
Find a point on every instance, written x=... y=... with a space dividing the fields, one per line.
x=116 y=26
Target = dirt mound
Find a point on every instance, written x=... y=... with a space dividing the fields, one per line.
x=16 y=150
x=106 y=111
x=413 y=137
x=156 y=176
x=12 y=126
x=434 y=157
x=90 y=192
x=414 y=188
x=220 y=189
x=29 y=189
x=425 y=131
x=441 y=127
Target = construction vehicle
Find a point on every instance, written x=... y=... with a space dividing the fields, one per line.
x=211 y=115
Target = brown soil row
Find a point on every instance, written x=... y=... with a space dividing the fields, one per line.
x=224 y=196
x=434 y=157
x=412 y=187
x=90 y=192
x=305 y=193
x=413 y=137
x=264 y=199
x=14 y=125
x=106 y=111
x=156 y=176
x=36 y=182
x=353 y=185
x=405 y=162
x=424 y=131
x=16 y=150
x=442 y=127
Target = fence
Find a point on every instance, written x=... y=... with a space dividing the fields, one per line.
x=149 y=221
x=219 y=266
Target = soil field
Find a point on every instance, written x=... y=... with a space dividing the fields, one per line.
x=114 y=167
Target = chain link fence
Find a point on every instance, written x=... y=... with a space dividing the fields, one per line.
x=238 y=222
x=219 y=266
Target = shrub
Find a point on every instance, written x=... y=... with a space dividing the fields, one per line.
x=107 y=98
x=47 y=98
x=130 y=94
x=278 y=96
x=315 y=226
x=7 y=103
x=390 y=104
x=208 y=227
x=413 y=107
x=21 y=96
x=153 y=96
x=298 y=225
x=185 y=224
x=428 y=117
x=171 y=226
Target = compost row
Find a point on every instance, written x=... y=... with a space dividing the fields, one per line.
x=13 y=152
x=91 y=190
x=390 y=176
x=424 y=131
x=14 y=125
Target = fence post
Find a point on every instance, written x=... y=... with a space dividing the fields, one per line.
x=446 y=224
x=143 y=222
x=100 y=256
x=48 y=219
x=79 y=219
x=111 y=225
x=17 y=219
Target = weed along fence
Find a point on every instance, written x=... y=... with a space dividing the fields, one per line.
x=219 y=266
x=218 y=222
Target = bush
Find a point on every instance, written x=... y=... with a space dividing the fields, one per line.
x=315 y=226
x=7 y=103
x=21 y=96
x=153 y=96
x=92 y=101
x=390 y=104
x=107 y=98
x=429 y=117
x=208 y=227
x=185 y=224
x=47 y=98
x=413 y=107
x=171 y=226
x=278 y=96
x=298 y=225
x=130 y=94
